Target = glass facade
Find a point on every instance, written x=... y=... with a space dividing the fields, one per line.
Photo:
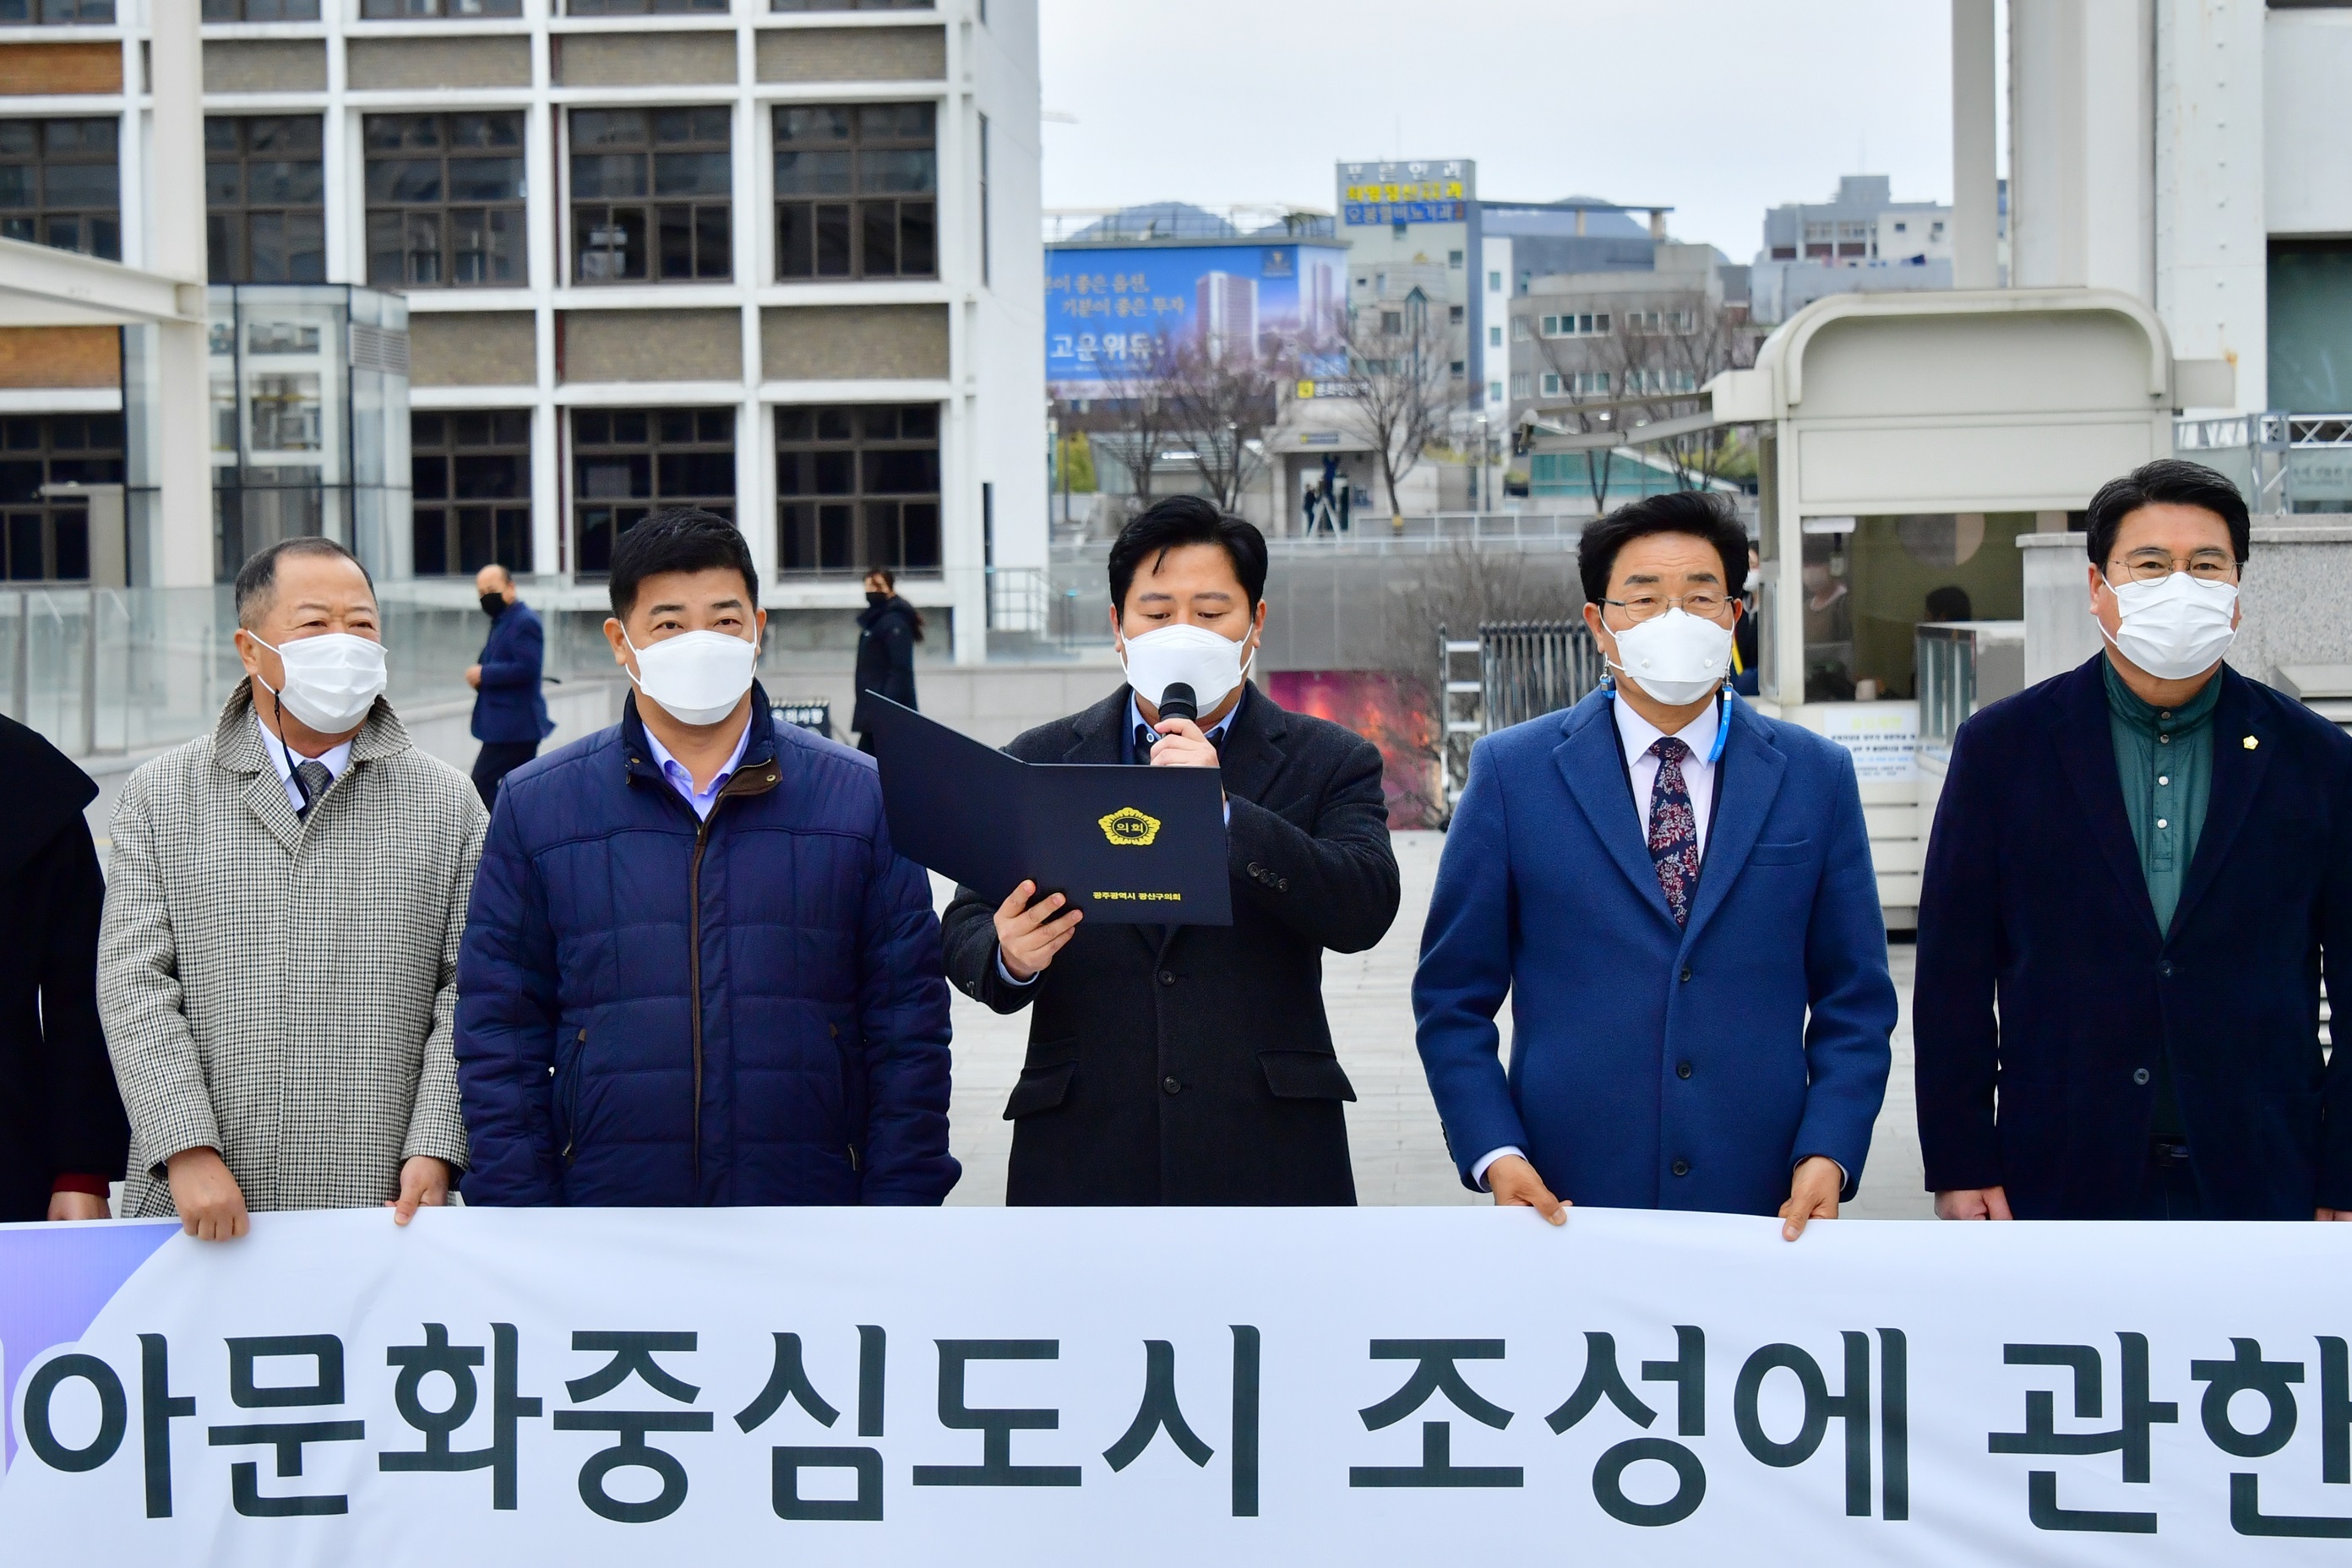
x=265 y=199
x=309 y=395
x=856 y=191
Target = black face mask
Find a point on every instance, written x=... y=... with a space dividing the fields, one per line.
x=878 y=600
x=494 y=604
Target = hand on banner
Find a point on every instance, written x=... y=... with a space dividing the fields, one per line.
x=1813 y=1194
x=1515 y=1184
x=2323 y=1214
x=211 y=1204
x=1973 y=1202
x=84 y=1206
x=423 y=1180
x=1183 y=745
x=1026 y=938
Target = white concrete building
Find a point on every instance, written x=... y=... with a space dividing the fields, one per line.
x=2180 y=151
x=776 y=257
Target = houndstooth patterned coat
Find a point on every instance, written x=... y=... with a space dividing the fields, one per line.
x=282 y=990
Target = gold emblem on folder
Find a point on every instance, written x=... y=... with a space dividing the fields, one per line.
x=1128 y=825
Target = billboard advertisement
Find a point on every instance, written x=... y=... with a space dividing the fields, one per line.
x=1421 y=190
x=1109 y=308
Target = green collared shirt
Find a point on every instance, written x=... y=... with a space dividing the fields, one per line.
x=2164 y=759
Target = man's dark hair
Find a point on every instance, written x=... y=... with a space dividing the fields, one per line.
x=1179 y=521
x=684 y=539
x=2167 y=481
x=1703 y=514
x=256 y=580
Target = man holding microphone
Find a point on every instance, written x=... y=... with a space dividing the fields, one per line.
x=1192 y=1064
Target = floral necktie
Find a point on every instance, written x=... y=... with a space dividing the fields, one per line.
x=1674 y=828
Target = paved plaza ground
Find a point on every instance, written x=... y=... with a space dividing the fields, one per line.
x=1400 y=1155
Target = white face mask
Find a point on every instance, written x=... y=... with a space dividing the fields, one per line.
x=331 y=680
x=1677 y=657
x=696 y=677
x=1208 y=662
x=2175 y=628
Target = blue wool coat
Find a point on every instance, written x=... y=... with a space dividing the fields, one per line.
x=2047 y=996
x=1654 y=1067
x=656 y=1010
x=512 y=705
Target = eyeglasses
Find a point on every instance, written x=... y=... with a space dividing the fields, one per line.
x=1705 y=603
x=2154 y=565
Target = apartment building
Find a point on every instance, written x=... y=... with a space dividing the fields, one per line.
x=779 y=258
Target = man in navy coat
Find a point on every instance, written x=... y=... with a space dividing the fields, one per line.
x=509 y=712
x=2139 y=873
x=1665 y=885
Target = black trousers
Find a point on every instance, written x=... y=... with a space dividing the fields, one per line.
x=2168 y=1185
x=498 y=758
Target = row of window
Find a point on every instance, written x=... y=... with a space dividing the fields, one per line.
x=1598 y=323
x=651 y=194
x=62 y=12
x=1596 y=383
x=856 y=486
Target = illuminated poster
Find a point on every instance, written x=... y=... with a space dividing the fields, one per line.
x=1108 y=309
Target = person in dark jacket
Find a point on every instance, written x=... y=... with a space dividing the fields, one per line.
x=511 y=713
x=63 y=1135
x=887 y=630
x=2140 y=873
x=694 y=972
x=1192 y=1064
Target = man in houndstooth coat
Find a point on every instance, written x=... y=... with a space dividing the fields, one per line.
x=277 y=963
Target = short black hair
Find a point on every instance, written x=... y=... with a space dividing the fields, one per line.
x=256 y=580
x=1179 y=521
x=1704 y=514
x=2167 y=481
x=683 y=539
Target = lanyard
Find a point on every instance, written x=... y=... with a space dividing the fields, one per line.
x=1722 y=718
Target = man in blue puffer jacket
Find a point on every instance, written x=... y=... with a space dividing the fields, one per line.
x=694 y=972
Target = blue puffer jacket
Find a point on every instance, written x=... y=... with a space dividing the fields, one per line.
x=815 y=1069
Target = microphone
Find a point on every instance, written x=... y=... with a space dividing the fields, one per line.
x=1178 y=703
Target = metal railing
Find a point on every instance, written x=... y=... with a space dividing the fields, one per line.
x=1373 y=535
x=1530 y=669
x=1963 y=666
x=2278 y=458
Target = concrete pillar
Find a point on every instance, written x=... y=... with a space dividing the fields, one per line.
x=2082 y=145
x=1976 y=193
x=183 y=547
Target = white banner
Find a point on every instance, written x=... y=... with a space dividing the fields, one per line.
x=1038 y=1386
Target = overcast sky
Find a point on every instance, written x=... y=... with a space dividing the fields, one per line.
x=1716 y=107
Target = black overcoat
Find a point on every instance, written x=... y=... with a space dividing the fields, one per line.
x=1193 y=1064
x=886 y=657
x=59 y=1111
x=2046 y=996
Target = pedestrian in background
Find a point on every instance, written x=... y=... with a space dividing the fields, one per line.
x=887 y=630
x=278 y=958
x=2140 y=873
x=511 y=711
x=62 y=1133
x=695 y=973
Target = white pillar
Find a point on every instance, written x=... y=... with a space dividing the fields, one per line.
x=1976 y=194
x=182 y=546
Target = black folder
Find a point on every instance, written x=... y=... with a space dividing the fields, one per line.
x=1131 y=845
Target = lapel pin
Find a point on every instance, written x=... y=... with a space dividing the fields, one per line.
x=2251 y=743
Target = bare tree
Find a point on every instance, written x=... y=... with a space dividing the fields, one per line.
x=1225 y=404
x=1135 y=417
x=1583 y=404
x=1399 y=387
x=1666 y=357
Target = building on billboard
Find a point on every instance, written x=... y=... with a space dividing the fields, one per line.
x=1226 y=309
